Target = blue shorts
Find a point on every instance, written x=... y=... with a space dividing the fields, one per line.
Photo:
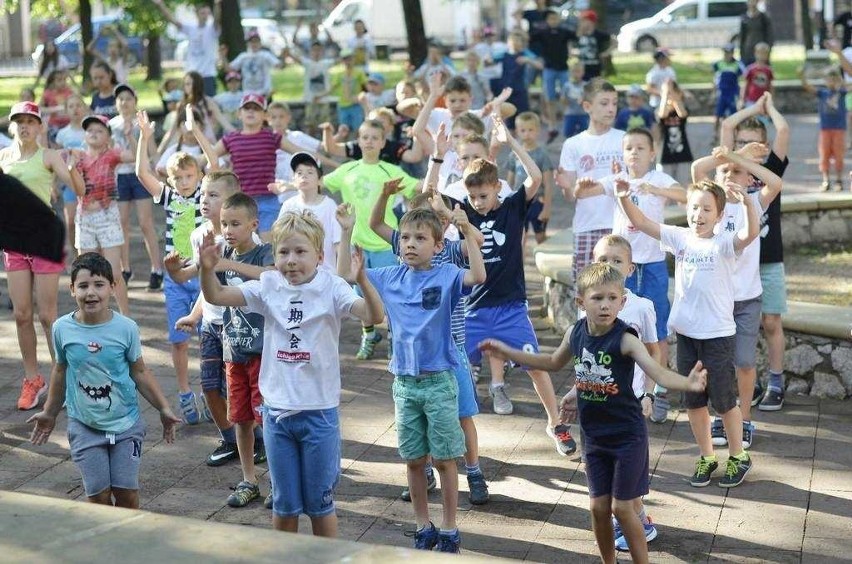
x=726 y=106
x=532 y=222
x=68 y=195
x=554 y=81
x=130 y=188
x=303 y=453
x=574 y=124
x=651 y=280
x=267 y=211
x=468 y=405
x=509 y=323
x=106 y=461
x=179 y=301
x=351 y=116
x=212 y=365
x=617 y=466
x=378 y=259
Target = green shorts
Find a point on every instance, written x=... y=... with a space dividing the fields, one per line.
x=774 y=284
x=427 y=416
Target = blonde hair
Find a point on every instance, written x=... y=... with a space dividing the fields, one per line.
x=613 y=240
x=530 y=118
x=480 y=173
x=179 y=161
x=226 y=180
x=469 y=122
x=598 y=274
x=304 y=223
x=278 y=106
x=424 y=217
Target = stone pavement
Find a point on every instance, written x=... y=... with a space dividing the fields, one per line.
x=796 y=505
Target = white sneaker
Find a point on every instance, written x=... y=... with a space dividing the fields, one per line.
x=502 y=403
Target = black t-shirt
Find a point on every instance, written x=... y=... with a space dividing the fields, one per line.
x=242 y=333
x=675 y=144
x=589 y=49
x=554 y=46
x=536 y=20
x=845 y=19
x=771 y=243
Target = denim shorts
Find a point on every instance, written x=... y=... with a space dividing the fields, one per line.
x=468 y=406
x=551 y=79
x=426 y=410
x=267 y=211
x=651 y=280
x=212 y=365
x=130 y=188
x=350 y=116
x=510 y=323
x=303 y=453
x=717 y=356
x=106 y=460
x=774 y=288
x=68 y=195
x=617 y=466
x=179 y=301
x=747 y=318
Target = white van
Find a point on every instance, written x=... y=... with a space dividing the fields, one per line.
x=685 y=24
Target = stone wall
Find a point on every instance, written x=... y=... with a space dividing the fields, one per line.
x=816 y=226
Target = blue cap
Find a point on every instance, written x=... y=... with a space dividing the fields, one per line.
x=376 y=77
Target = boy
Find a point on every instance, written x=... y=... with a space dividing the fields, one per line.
x=346 y=87
x=726 y=79
x=660 y=73
x=758 y=77
x=419 y=299
x=831 y=107
x=604 y=351
x=636 y=114
x=538 y=212
x=317 y=86
x=359 y=184
x=302 y=307
x=256 y=66
x=593 y=45
x=553 y=40
x=480 y=89
x=229 y=100
x=98 y=370
x=376 y=96
x=592 y=154
x=458 y=99
x=576 y=119
x=515 y=63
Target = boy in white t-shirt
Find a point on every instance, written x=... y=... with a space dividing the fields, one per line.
x=703 y=314
x=256 y=64
x=317 y=85
x=303 y=306
x=738 y=168
x=591 y=154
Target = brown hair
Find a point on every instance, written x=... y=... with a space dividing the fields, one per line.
x=480 y=173
x=530 y=118
x=239 y=200
x=457 y=84
x=641 y=131
x=470 y=122
x=617 y=241
x=423 y=217
x=598 y=274
x=226 y=179
x=714 y=189
x=474 y=139
x=181 y=160
x=596 y=86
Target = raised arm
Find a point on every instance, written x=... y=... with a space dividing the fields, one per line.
x=377 y=215
x=502 y=135
x=167 y=14
x=730 y=123
x=370 y=309
x=781 y=144
x=418 y=130
x=346 y=218
x=750 y=230
x=214 y=292
x=476 y=273
x=639 y=220
x=541 y=361
x=143 y=165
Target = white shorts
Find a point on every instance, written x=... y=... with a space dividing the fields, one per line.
x=99 y=228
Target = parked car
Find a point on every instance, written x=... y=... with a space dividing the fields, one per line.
x=70 y=42
x=618 y=12
x=685 y=24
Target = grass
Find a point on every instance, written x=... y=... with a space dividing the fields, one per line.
x=692 y=66
x=819 y=273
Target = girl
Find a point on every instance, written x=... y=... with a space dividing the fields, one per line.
x=186 y=144
x=117 y=55
x=103 y=83
x=56 y=92
x=193 y=95
x=51 y=60
x=71 y=137
x=672 y=116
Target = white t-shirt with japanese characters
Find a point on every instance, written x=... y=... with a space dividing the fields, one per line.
x=747 y=284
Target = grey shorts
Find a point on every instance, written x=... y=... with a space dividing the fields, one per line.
x=774 y=288
x=717 y=356
x=747 y=318
x=106 y=460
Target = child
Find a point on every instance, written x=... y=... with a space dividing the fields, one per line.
x=538 y=212
x=317 y=86
x=347 y=87
x=451 y=169
x=99 y=368
x=117 y=55
x=576 y=118
x=361 y=46
x=604 y=351
x=376 y=96
x=180 y=196
x=731 y=167
x=593 y=45
x=396 y=152
x=831 y=106
x=56 y=92
x=72 y=136
x=435 y=63
x=419 y=299
x=256 y=64
x=229 y=100
x=591 y=154
x=359 y=184
x=553 y=39
x=98 y=221
x=758 y=76
x=726 y=79
x=672 y=115
x=103 y=83
x=457 y=96
x=480 y=89
x=636 y=114
x=302 y=307
x=703 y=314
x=660 y=73
x=186 y=143
x=279 y=117
x=515 y=62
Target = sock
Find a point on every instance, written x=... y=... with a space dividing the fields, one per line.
x=473 y=470
x=229 y=435
x=711 y=458
x=776 y=381
x=500 y=385
x=450 y=532
x=643 y=517
x=743 y=456
x=258 y=434
x=659 y=390
x=369 y=330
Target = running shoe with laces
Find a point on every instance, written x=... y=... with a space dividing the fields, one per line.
x=189 y=408
x=650 y=534
x=748 y=434
x=259 y=452
x=773 y=400
x=717 y=432
x=31 y=391
x=478 y=490
x=426 y=538
x=449 y=543
x=244 y=493
x=501 y=403
x=704 y=468
x=561 y=435
x=368 y=345
x=203 y=408
x=223 y=454
x=431 y=484
x=735 y=471
x=757 y=394
x=660 y=412
x=155 y=282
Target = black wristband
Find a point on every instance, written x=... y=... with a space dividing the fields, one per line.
x=439 y=161
x=647 y=395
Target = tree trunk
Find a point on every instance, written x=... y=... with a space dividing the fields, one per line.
x=807 y=29
x=417 y=44
x=232 y=28
x=86 y=31
x=155 y=57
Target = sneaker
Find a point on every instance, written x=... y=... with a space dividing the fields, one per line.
x=650 y=534
x=773 y=400
x=478 y=489
x=189 y=408
x=717 y=433
x=616 y=528
x=203 y=408
x=501 y=402
x=127 y=275
x=223 y=454
x=426 y=538
x=476 y=371
x=838 y=186
x=267 y=501
x=561 y=434
x=31 y=391
x=736 y=470
x=155 y=282
x=748 y=434
x=660 y=413
x=431 y=484
x=758 y=393
x=259 y=452
x=449 y=543
x=704 y=468
x=825 y=186
x=368 y=345
x=244 y=493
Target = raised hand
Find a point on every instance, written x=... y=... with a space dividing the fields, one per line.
x=173 y=262
x=146 y=126
x=754 y=151
x=499 y=134
x=736 y=191
x=209 y=252
x=392 y=187
x=721 y=153
x=345 y=215
x=436 y=86
x=459 y=218
x=438 y=204
x=443 y=143
x=358 y=262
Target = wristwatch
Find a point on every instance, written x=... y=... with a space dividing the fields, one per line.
x=647 y=395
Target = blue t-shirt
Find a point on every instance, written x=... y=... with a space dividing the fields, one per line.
x=514 y=73
x=103 y=105
x=242 y=332
x=727 y=77
x=419 y=305
x=831 y=108
x=606 y=403
x=99 y=391
x=450 y=254
x=502 y=251
x=627 y=118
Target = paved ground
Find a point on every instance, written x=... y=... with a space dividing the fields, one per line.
x=795 y=507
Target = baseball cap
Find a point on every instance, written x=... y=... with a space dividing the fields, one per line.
x=124 y=88
x=25 y=109
x=590 y=15
x=304 y=158
x=376 y=77
x=635 y=90
x=97 y=118
x=233 y=75
x=175 y=95
x=253 y=99
x=729 y=48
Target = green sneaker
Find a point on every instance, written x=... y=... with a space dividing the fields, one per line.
x=244 y=493
x=368 y=345
x=735 y=471
x=704 y=468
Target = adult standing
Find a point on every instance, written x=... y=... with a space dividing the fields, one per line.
x=203 y=38
x=755 y=27
x=593 y=45
x=35 y=167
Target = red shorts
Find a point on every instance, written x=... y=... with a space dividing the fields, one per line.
x=16 y=261
x=243 y=394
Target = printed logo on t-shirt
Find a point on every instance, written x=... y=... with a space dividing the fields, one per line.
x=594 y=378
x=289 y=356
x=431 y=298
x=586 y=163
x=697 y=261
x=492 y=240
x=94 y=347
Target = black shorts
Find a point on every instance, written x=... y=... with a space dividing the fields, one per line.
x=717 y=356
x=533 y=210
x=617 y=466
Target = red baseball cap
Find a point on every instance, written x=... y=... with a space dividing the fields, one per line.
x=96 y=118
x=253 y=99
x=233 y=75
x=590 y=15
x=25 y=109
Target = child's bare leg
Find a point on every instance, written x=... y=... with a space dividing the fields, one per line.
x=632 y=528
x=449 y=473
x=245 y=446
x=325 y=526
x=218 y=408
x=416 y=470
x=126 y=498
x=103 y=498
x=124 y=214
x=774 y=333
x=286 y=524
x=496 y=366
x=733 y=421
x=601 y=509
x=544 y=388
x=699 y=422
x=113 y=255
x=471 y=442
x=180 y=358
x=746 y=378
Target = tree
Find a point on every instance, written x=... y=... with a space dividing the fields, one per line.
x=417 y=45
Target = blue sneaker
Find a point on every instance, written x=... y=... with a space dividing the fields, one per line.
x=426 y=538
x=650 y=534
x=189 y=408
x=449 y=543
x=616 y=528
